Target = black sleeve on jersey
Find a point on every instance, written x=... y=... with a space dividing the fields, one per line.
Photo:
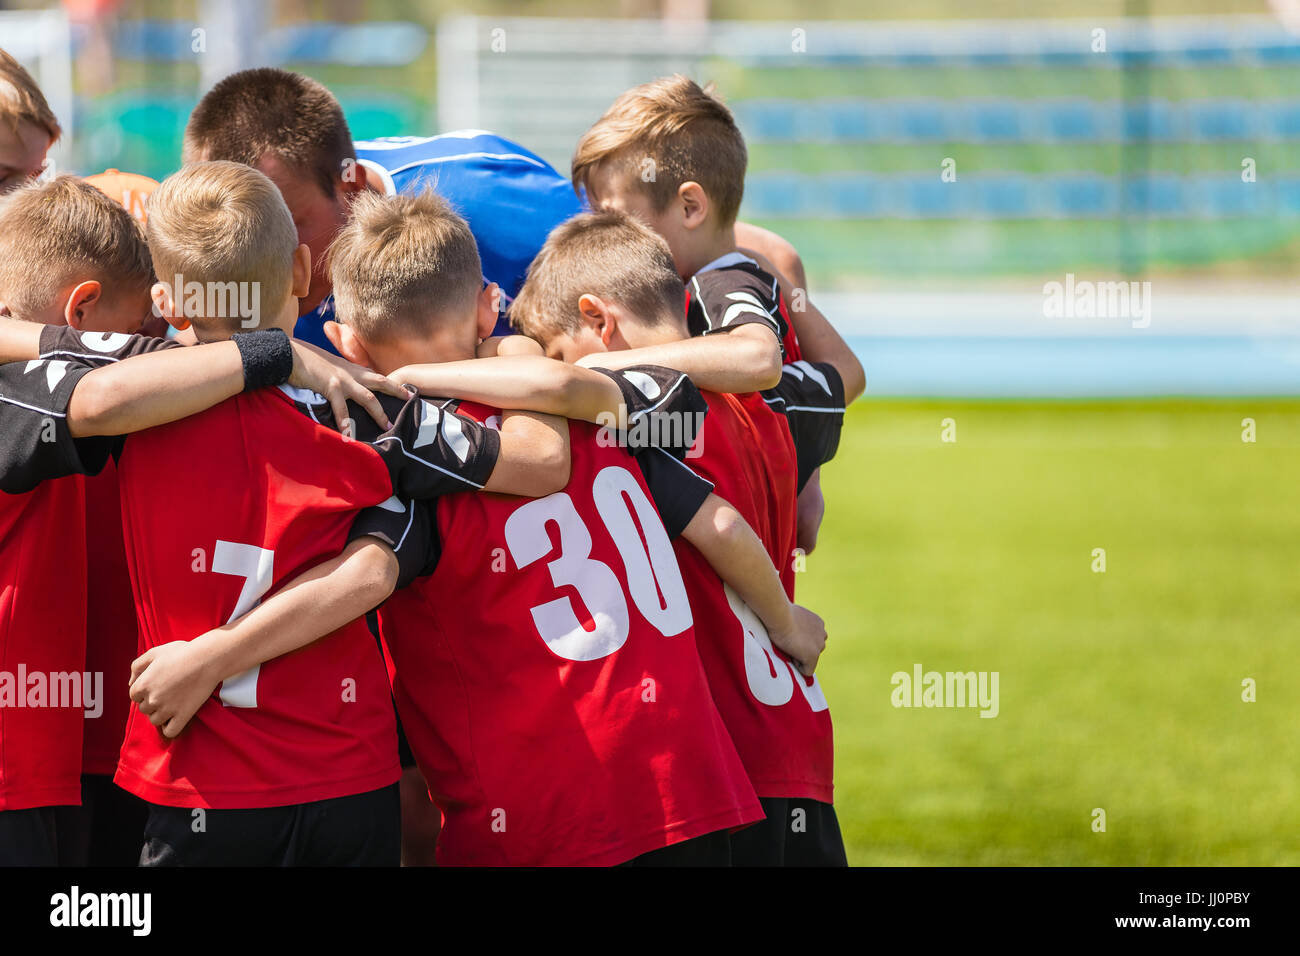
x=97 y=348
x=430 y=450
x=678 y=492
x=408 y=528
x=35 y=442
x=811 y=396
x=664 y=408
x=727 y=298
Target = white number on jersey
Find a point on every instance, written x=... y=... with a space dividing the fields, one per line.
x=772 y=680
x=254 y=565
x=649 y=564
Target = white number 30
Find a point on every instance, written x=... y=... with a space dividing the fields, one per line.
x=651 y=567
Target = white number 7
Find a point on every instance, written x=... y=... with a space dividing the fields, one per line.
x=254 y=565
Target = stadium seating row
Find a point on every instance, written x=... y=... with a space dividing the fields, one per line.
x=1018 y=196
x=1016 y=121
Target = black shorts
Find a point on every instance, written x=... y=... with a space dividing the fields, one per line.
x=359 y=830
x=114 y=821
x=712 y=849
x=789 y=837
x=43 y=836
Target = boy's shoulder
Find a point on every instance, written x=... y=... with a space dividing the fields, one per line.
x=732 y=291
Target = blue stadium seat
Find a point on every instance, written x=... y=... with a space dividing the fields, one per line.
x=1083 y=196
x=997 y=121
x=773 y=121
x=922 y=120
x=1154 y=120
x=855 y=196
x=163 y=41
x=1002 y=196
x=1286 y=196
x=1072 y=120
x=360 y=44
x=929 y=198
x=1220 y=197
x=1158 y=195
x=854 y=121
x=1282 y=119
x=782 y=195
x=1221 y=119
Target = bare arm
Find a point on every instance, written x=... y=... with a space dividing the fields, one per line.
x=172 y=681
x=534 y=459
x=746 y=359
x=812 y=509
x=729 y=544
x=19 y=341
x=531 y=383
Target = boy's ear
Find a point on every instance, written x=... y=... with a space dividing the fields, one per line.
x=81 y=303
x=352 y=179
x=489 y=308
x=694 y=204
x=598 y=317
x=301 y=271
x=343 y=338
x=164 y=305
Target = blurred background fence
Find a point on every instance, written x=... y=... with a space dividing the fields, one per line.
x=934 y=174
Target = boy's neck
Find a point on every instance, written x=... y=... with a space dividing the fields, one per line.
x=388 y=358
x=218 y=331
x=718 y=244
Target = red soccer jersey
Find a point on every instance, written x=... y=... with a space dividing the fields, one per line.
x=111 y=635
x=42 y=644
x=779 y=719
x=268 y=494
x=547 y=674
x=44 y=690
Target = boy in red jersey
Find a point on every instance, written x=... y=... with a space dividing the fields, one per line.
x=75 y=264
x=757 y=459
x=690 y=141
x=557 y=707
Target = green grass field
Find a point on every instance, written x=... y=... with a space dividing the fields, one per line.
x=1119 y=690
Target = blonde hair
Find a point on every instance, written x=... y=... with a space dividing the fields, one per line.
x=608 y=254
x=683 y=129
x=218 y=223
x=62 y=231
x=21 y=100
x=401 y=261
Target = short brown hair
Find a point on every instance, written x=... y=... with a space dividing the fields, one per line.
x=399 y=262
x=63 y=231
x=608 y=254
x=21 y=100
x=684 y=129
x=254 y=113
x=221 y=222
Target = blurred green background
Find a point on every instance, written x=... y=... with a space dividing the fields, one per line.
x=1119 y=690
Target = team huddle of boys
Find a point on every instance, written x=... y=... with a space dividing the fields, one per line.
x=460 y=512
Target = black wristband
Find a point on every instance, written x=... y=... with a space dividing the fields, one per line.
x=267 y=357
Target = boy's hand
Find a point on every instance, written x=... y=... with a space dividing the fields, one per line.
x=338 y=380
x=805 y=641
x=170 y=683
x=519 y=345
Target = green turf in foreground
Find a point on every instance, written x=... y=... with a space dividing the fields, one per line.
x=1119 y=690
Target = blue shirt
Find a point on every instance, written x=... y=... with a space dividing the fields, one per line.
x=511 y=198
